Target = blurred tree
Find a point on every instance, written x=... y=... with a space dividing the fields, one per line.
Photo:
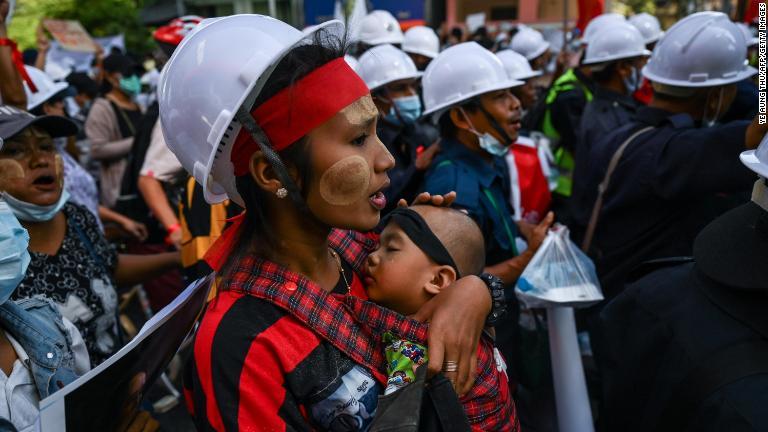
x=99 y=17
x=637 y=6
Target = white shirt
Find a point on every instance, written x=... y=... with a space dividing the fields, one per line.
x=19 y=400
x=160 y=162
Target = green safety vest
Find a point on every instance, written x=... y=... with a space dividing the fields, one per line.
x=563 y=158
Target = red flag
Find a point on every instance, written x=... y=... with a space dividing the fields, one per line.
x=588 y=9
x=529 y=182
x=750 y=14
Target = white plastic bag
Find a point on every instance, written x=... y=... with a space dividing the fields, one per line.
x=559 y=275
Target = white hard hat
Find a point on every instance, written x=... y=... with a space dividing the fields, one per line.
x=750 y=38
x=648 y=25
x=220 y=66
x=46 y=87
x=461 y=72
x=384 y=64
x=702 y=50
x=599 y=22
x=353 y=63
x=421 y=40
x=529 y=42
x=56 y=71
x=516 y=65
x=380 y=27
x=617 y=41
x=757 y=160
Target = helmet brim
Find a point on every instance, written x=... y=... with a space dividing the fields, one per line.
x=377 y=84
x=747 y=72
x=750 y=160
x=544 y=47
x=425 y=53
x=57 y=87
x=643 y=53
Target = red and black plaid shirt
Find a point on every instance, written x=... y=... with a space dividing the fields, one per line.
x=355 y=326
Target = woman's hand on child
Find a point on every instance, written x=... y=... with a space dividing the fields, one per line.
x=425 y=198
x=457 y=316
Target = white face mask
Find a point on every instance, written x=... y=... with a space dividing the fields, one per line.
x=14 y=257
x=632 y=82
x=487 y=142
x=32 y=212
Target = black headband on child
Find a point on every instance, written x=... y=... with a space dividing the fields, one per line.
x=416 y=228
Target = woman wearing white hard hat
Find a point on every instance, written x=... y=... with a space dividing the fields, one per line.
x=704 y=383
x=676 y=165
x=392 y=79
x=466 y=90
x=422 y=45
x=280 y=123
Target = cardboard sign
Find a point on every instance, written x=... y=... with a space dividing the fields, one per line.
x=70 y=34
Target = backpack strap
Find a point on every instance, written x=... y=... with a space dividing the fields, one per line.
x=727 y=366
x=593 y=218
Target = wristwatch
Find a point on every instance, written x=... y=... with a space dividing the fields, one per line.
x=498 y=299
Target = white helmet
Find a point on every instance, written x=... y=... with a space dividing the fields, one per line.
x=648 y=25
x=599 y=22
x=757 y=160
x=384 y=64
x=702 y=50
x=353 y=63
x=421 y=40
x=46 y=87
x=617 y=41
x=529 y=42
x=516 y=65
x=220 y=66
x=379 y=27
x=751 y=39
x=462 y=72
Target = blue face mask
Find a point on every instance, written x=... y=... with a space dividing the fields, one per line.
x=131 y=85
x=32 y=212
x=14 y=257
x=409 y=108
x=632 y=83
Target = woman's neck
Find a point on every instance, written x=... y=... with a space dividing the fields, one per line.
x=120 y=98
x=302 y=247
x=46 y=237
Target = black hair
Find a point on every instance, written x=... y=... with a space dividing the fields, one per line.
x=256 y=236
x=605 y=74
x=446 y=126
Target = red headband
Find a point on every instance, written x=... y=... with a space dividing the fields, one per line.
x=299 y=108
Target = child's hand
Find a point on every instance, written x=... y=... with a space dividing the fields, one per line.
x=425 y=198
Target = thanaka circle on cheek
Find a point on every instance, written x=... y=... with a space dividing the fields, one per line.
x=346 y=181
x=360 y=111
x=10 y=170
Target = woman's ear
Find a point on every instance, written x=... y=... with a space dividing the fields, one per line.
x=444 y=275
x=263 y=173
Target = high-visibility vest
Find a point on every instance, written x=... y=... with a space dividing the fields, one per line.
x=563 y=158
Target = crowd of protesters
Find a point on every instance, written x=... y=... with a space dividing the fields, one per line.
x=368 y=199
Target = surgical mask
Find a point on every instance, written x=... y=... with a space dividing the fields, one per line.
x=488 y=142
x=711 y=121
x=32 y=212
x=131 y=85
x=405 y=110
x=14 y=257
x=632 y=83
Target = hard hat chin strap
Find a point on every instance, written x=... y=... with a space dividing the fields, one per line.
x=246 y=120
x=709 y=122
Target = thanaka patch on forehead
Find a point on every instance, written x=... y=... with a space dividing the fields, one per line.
x=360 y=111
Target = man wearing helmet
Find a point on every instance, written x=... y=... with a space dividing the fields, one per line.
x=689 y=341
x=674 y=162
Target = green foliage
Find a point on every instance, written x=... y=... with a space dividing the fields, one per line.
x=99 y=17
x=637 y=6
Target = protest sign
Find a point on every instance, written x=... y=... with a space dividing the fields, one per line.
x=70 y=34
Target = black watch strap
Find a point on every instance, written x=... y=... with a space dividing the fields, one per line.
x=499 y=305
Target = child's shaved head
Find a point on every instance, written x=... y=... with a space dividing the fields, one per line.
x=459 y=234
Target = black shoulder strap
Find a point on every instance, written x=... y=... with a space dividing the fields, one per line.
x=727 y=366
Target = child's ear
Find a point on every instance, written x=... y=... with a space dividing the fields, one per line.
x=444 y=276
